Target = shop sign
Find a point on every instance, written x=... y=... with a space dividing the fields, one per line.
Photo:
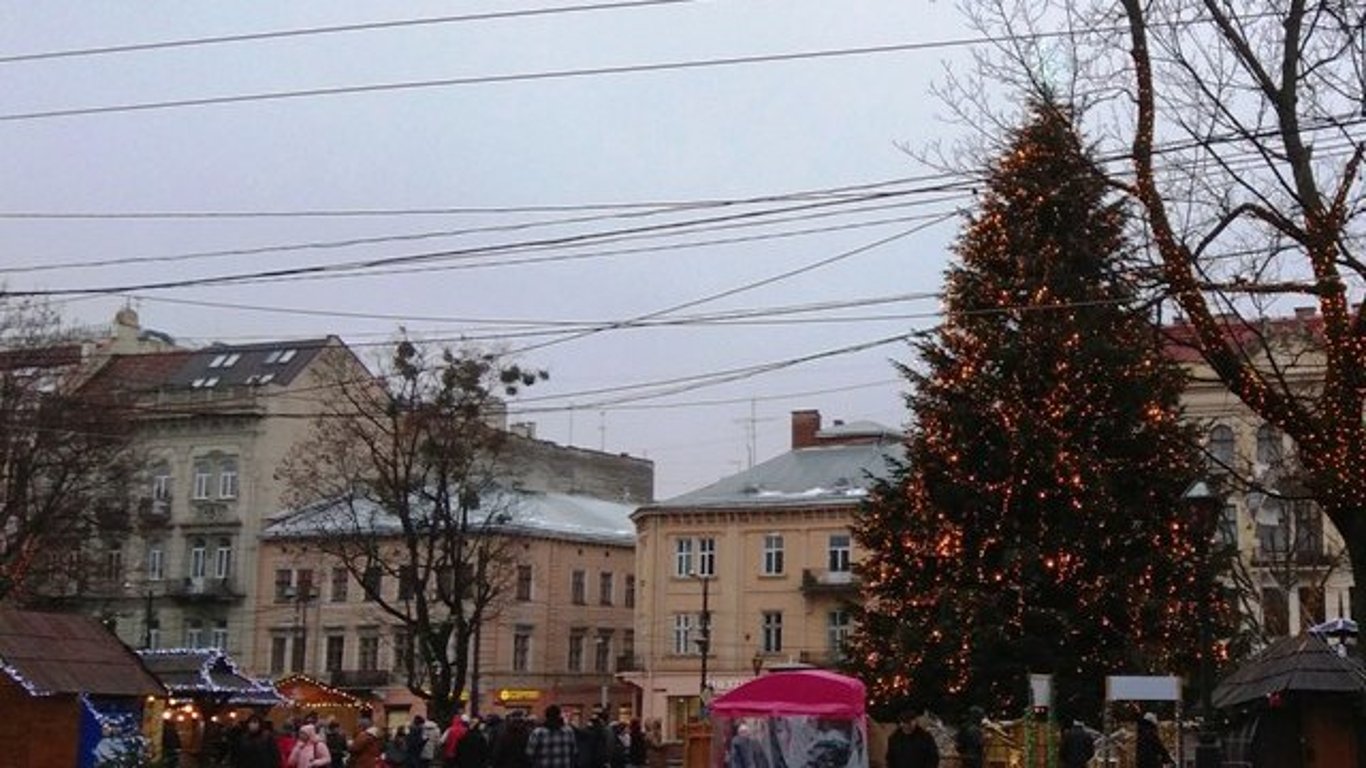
x=518 y=695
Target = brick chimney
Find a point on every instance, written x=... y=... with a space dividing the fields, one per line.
x=805 y=425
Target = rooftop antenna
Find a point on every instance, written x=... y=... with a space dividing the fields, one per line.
x=751 y=425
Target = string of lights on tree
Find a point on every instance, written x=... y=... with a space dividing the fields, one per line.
x=1037 y=524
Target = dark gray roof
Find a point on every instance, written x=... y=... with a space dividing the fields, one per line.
x=235 y=365
x=48 y=653
x=1300 y=664
x=819 y=475
x=207 y=672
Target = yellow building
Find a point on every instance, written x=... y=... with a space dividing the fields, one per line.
x=560 y=631
x=754 y=571
x=1292 y=570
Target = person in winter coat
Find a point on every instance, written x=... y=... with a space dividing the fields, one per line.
x=1077 y=746
x=911 y=746
x=286 y=740
x=417 y=734
x=970 y=743
x=431 y=744
x=656 y=751
x=396 y=749
x=635 y=744
x=1149 y=751
x=336 y=742
x=256 y=748
x=310 y=751
x=450 y=740
x=553 y=744
x=473 y=750
x=365 y=750
x=509 y=746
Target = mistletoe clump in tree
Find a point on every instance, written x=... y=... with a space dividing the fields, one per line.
x=1037 y=524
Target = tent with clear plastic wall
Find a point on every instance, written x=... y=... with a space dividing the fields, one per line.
x=808 y=718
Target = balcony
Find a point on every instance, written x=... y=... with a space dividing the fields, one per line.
x=1300 y=557
x=819 y=658
x=838 y=583
x=360 y=678
x=154 y=513
x=204 y=590
x=628 y=663
x=213 y=512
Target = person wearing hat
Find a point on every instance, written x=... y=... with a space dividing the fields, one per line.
x=1149 y=751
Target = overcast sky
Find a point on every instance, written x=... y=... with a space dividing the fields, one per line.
x=534 y=149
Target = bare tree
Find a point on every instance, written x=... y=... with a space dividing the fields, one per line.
x=403 y=478
x=66 y=460
x=1236 y=129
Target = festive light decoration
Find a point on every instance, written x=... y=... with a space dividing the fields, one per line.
x=1038 y=524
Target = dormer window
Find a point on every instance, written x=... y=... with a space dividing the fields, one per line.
x=281 y=356
x=257 y=379
x=207 y=382
x=225 y=360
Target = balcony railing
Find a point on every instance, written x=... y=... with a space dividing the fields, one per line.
x=1299 y=557
x=820 y=582
x=628 y=663
x=209 y=590
x=360 y=678
x=154 y=512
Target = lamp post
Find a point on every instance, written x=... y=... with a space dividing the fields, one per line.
x=703 y=630
x=1205 y=506
x=757 y=662
x=147 y=618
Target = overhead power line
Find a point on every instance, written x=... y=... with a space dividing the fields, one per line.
x=568 y=73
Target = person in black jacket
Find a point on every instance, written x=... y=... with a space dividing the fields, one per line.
x=1077 y=746
x=1149 y=751
x=256 y=747
x=911 y=746
x=970 y=742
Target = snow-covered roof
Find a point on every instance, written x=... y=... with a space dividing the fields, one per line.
x=821 y=474
x=554 y=515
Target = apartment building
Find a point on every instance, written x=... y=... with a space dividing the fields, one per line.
x=561 y=630
x=213 y=424
x=754 y=571
x=1291 y=568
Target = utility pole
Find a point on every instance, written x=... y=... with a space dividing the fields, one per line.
x=704 y=632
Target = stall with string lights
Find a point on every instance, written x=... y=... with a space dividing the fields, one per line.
x=303 y=695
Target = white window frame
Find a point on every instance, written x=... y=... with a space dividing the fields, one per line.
x=683 y=561
x=161 y=485
x=218 y=636
x=840 y=556
x=194 y=634
x=838 y=624
x=771 y=631
x=203 y=478
x=773 y=554
x=222 y=559
x=198 y=558
x=682 y=634
x=706 y=556
x=156 y=562
x=227 y=480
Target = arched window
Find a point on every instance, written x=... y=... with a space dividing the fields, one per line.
x=1221 y=445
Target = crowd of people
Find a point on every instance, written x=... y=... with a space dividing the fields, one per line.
x=514 y=741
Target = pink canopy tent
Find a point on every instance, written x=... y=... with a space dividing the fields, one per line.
x=814 y=692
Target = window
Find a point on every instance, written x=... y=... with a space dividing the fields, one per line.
x=575 y=661
x=838 y=561
x=332 y=656
x=303 y=584
x=1272 y=536
x=1308 y=530
x=837 y=632
x=1275 y=612
x=602 y=656
x=683 y=633
x=194 y=633
x=225 y=360
x=279 y=649
x=198 y=558
x=706 y=557
x=683 y=558
x=1228 y=526
x=372 y=584
x=1312 y=604
x=300 y=651
x=1221 y=446
x=577 y=589
x=524 y=583
x=156 y=562
x=205 y=382
x=628 y=645
x=605 y=588
x=113 y=563
x=773 y=632
x=340 y=581
x=521 y=648
x=154 y=636
x=161 y=483
x=403 y=650
x=628 y=597
x=284 y=585
x=1268 y=445
x=220 y=635
x=773 y=554
x=222 y=559
x=227 y=479
x=280 y=356
x=367 y=658
x=202 y=475
x=407 y=580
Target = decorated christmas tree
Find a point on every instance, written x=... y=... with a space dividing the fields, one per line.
x=1038 y=524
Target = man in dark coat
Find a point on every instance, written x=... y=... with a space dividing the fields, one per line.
x=1077 y=746
x=970 y=743
x=1149 y=751
x=911 y=746
x=256 y=747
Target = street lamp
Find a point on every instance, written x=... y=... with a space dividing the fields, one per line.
x=703 y=630
x=1205 y=506
x=757 y=662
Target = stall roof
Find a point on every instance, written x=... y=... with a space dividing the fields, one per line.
x=191 y=672
x=798 y=692
x=51 y=653
x=305 y=690
x=1299 y=664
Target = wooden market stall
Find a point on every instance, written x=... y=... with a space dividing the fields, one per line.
x=303 y=695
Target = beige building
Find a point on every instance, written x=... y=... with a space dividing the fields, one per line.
x=755 y=570
x=213 y=426
x=563 y=626
x=1292 y=569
